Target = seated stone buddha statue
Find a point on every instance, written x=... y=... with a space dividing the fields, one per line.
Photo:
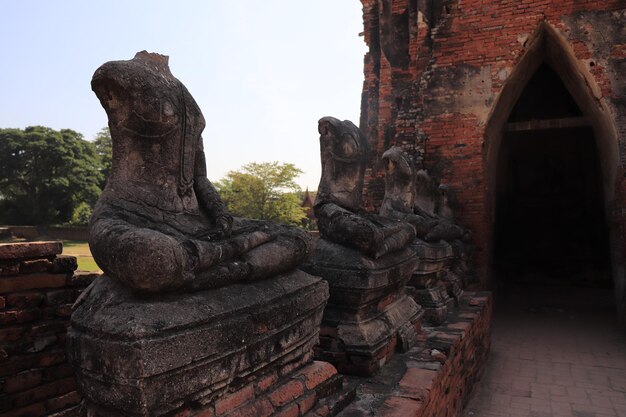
x=400 y=202
x=364 y=257
x=340 y=217
x=437 y=281
x=160 y=225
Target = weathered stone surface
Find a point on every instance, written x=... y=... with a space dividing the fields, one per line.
x=367 y=310
x=32 y=281
x=412 y=196
x=364 y=258
x=454 y=286
x=294 y=394
x=35 y=265
x=435 y=301
x=434 y=257
x=148 y=356
x=83 y=278
x=160 y=225
x=64 y=263
x=436 y=378
x=340 y=216
x=358 y=282
x=29 y=250
x=196 y=306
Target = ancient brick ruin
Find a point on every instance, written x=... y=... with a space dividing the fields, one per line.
x=37 y=289
x=509 y=103
x=39 y=286
x=199 y=313
x=476 y=116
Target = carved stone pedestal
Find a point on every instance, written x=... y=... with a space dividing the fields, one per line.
x=428 y=285
x=454 y=286
x=369 y=316
x=152 y=356
x=460 y=270
x=434 y=300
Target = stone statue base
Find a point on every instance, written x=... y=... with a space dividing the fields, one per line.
x=314 y=389
x=147 y=356
x=428 y=285
x=435 y=301
x=454 y=286
x=461 y=270
x=368 y=315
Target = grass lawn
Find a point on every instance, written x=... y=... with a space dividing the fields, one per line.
x=86 y=263
x=80 y=249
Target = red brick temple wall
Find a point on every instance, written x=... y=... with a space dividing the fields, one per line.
x=441 y=77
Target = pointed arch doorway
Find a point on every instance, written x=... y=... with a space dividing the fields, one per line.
x=550 y=225
x=551 y=161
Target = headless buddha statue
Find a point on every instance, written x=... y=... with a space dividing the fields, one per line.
x=340 y=217
x=400 y=200
x=160 y=225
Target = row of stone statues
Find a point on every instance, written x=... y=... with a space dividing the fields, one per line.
x=199 y=303
x=160 y=225
x=368 y=259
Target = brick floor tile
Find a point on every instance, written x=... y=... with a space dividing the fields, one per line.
x=519 y=406
x=541 y=413
x=568 y=364
x=557 y=390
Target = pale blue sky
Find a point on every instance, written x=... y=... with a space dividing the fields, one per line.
x=263 y=72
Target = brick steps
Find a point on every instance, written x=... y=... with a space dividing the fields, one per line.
x=37 y=290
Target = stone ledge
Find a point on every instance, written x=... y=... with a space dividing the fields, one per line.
x=30 y=250
x=55 y=264
x=33 y=281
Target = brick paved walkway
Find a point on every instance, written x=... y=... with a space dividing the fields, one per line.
x=559 y=355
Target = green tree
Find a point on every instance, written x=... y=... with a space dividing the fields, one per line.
x=265 y=191
x=104 y=149
x=45 y=174
x=81 y=215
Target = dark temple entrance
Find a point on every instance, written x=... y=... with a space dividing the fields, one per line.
x=550 y=225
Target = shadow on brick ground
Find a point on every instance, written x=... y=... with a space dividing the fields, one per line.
x=556 y=352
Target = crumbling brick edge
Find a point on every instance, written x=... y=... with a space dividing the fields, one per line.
x=439 y=375
x=37 y=289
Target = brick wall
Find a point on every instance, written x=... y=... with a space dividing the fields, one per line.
x=466 y=342
x=37 y=289
x=438 y=70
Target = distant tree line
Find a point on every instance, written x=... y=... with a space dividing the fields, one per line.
x=55 y=177
x=48 y=176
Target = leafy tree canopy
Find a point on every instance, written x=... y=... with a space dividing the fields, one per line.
x=104 y=149
x=45 y=174
x=265 y=191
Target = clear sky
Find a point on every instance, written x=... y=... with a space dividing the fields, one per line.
x=263 y=72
